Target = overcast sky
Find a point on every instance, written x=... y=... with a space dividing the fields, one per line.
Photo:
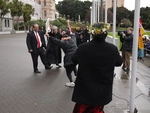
x=129 y=4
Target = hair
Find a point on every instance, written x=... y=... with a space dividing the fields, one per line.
x=55 y=27
x=34 y=25
x=65 y=35
x=130 y=28
x=100 y=37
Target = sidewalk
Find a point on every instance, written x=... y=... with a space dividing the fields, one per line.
x=22 y=91
x=121 y=90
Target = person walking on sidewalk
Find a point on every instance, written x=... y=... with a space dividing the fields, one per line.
x=93 y=86
x=36 y=46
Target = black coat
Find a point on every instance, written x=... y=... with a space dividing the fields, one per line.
x=32 y=42
x=95 y=72
x=128 y=42
x=69 y=47
x=53 y=51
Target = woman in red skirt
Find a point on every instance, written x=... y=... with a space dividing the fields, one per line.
x=82 y=108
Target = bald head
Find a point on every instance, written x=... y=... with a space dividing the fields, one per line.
x=36 y=27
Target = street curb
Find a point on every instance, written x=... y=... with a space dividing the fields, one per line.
x=9 y=32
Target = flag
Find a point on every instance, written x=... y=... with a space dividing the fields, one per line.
x=47 y=26
x=142 y=30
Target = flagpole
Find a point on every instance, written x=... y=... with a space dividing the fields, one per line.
x=98 y=8
x=106 y=11
x=134 y=56
x=114 y=21
x=94 y=11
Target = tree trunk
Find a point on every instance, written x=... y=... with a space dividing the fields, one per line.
x=18 y=23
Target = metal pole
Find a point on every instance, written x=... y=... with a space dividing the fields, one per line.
x=98 y=8
x=91 y=16
x=101 y=13
x=93 y=11
x=134 y=55
x=114 y=21
x=106 y=5
x=96 y=11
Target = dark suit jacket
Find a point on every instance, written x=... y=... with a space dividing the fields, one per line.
x=96 y=61
x=32 y=42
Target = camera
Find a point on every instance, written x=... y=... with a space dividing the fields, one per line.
x=121 y=32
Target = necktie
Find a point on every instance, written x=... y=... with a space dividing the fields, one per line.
x=38 y=40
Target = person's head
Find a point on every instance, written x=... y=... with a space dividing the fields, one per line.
x=35 y=27
x=129 y=30
x=55 y=29
x=73 y=29
x=63 y=33
x=65 y=37
x=87 y=27
x=99 y=31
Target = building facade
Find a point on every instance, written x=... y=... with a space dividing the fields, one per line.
x=37 y=9
x=6 y=23
x=48 y=9
x=120 y=3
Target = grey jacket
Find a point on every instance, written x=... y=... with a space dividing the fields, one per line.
x=69 y=47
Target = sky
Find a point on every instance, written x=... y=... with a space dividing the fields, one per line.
x=129 y=4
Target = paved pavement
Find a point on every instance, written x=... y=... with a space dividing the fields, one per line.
x=22 y=91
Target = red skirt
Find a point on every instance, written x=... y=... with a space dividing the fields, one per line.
x=82 y=108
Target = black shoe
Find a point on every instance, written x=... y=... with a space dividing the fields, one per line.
x=37 y=71
x=48 y=67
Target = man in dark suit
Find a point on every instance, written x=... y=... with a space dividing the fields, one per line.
x=36 y=46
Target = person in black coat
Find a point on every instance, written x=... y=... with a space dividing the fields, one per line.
x=86 y=34
x=36 y=46
x=94 y=82
x=127 y=43
x=53 y=51
x=68 y=44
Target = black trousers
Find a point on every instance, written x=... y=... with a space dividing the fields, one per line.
x=69 y=70
x=40 y=52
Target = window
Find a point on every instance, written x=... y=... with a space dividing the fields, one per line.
x=5 y=23
x=45 y=13
x=44 y=2
x=39 y=2
x=8 y=23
